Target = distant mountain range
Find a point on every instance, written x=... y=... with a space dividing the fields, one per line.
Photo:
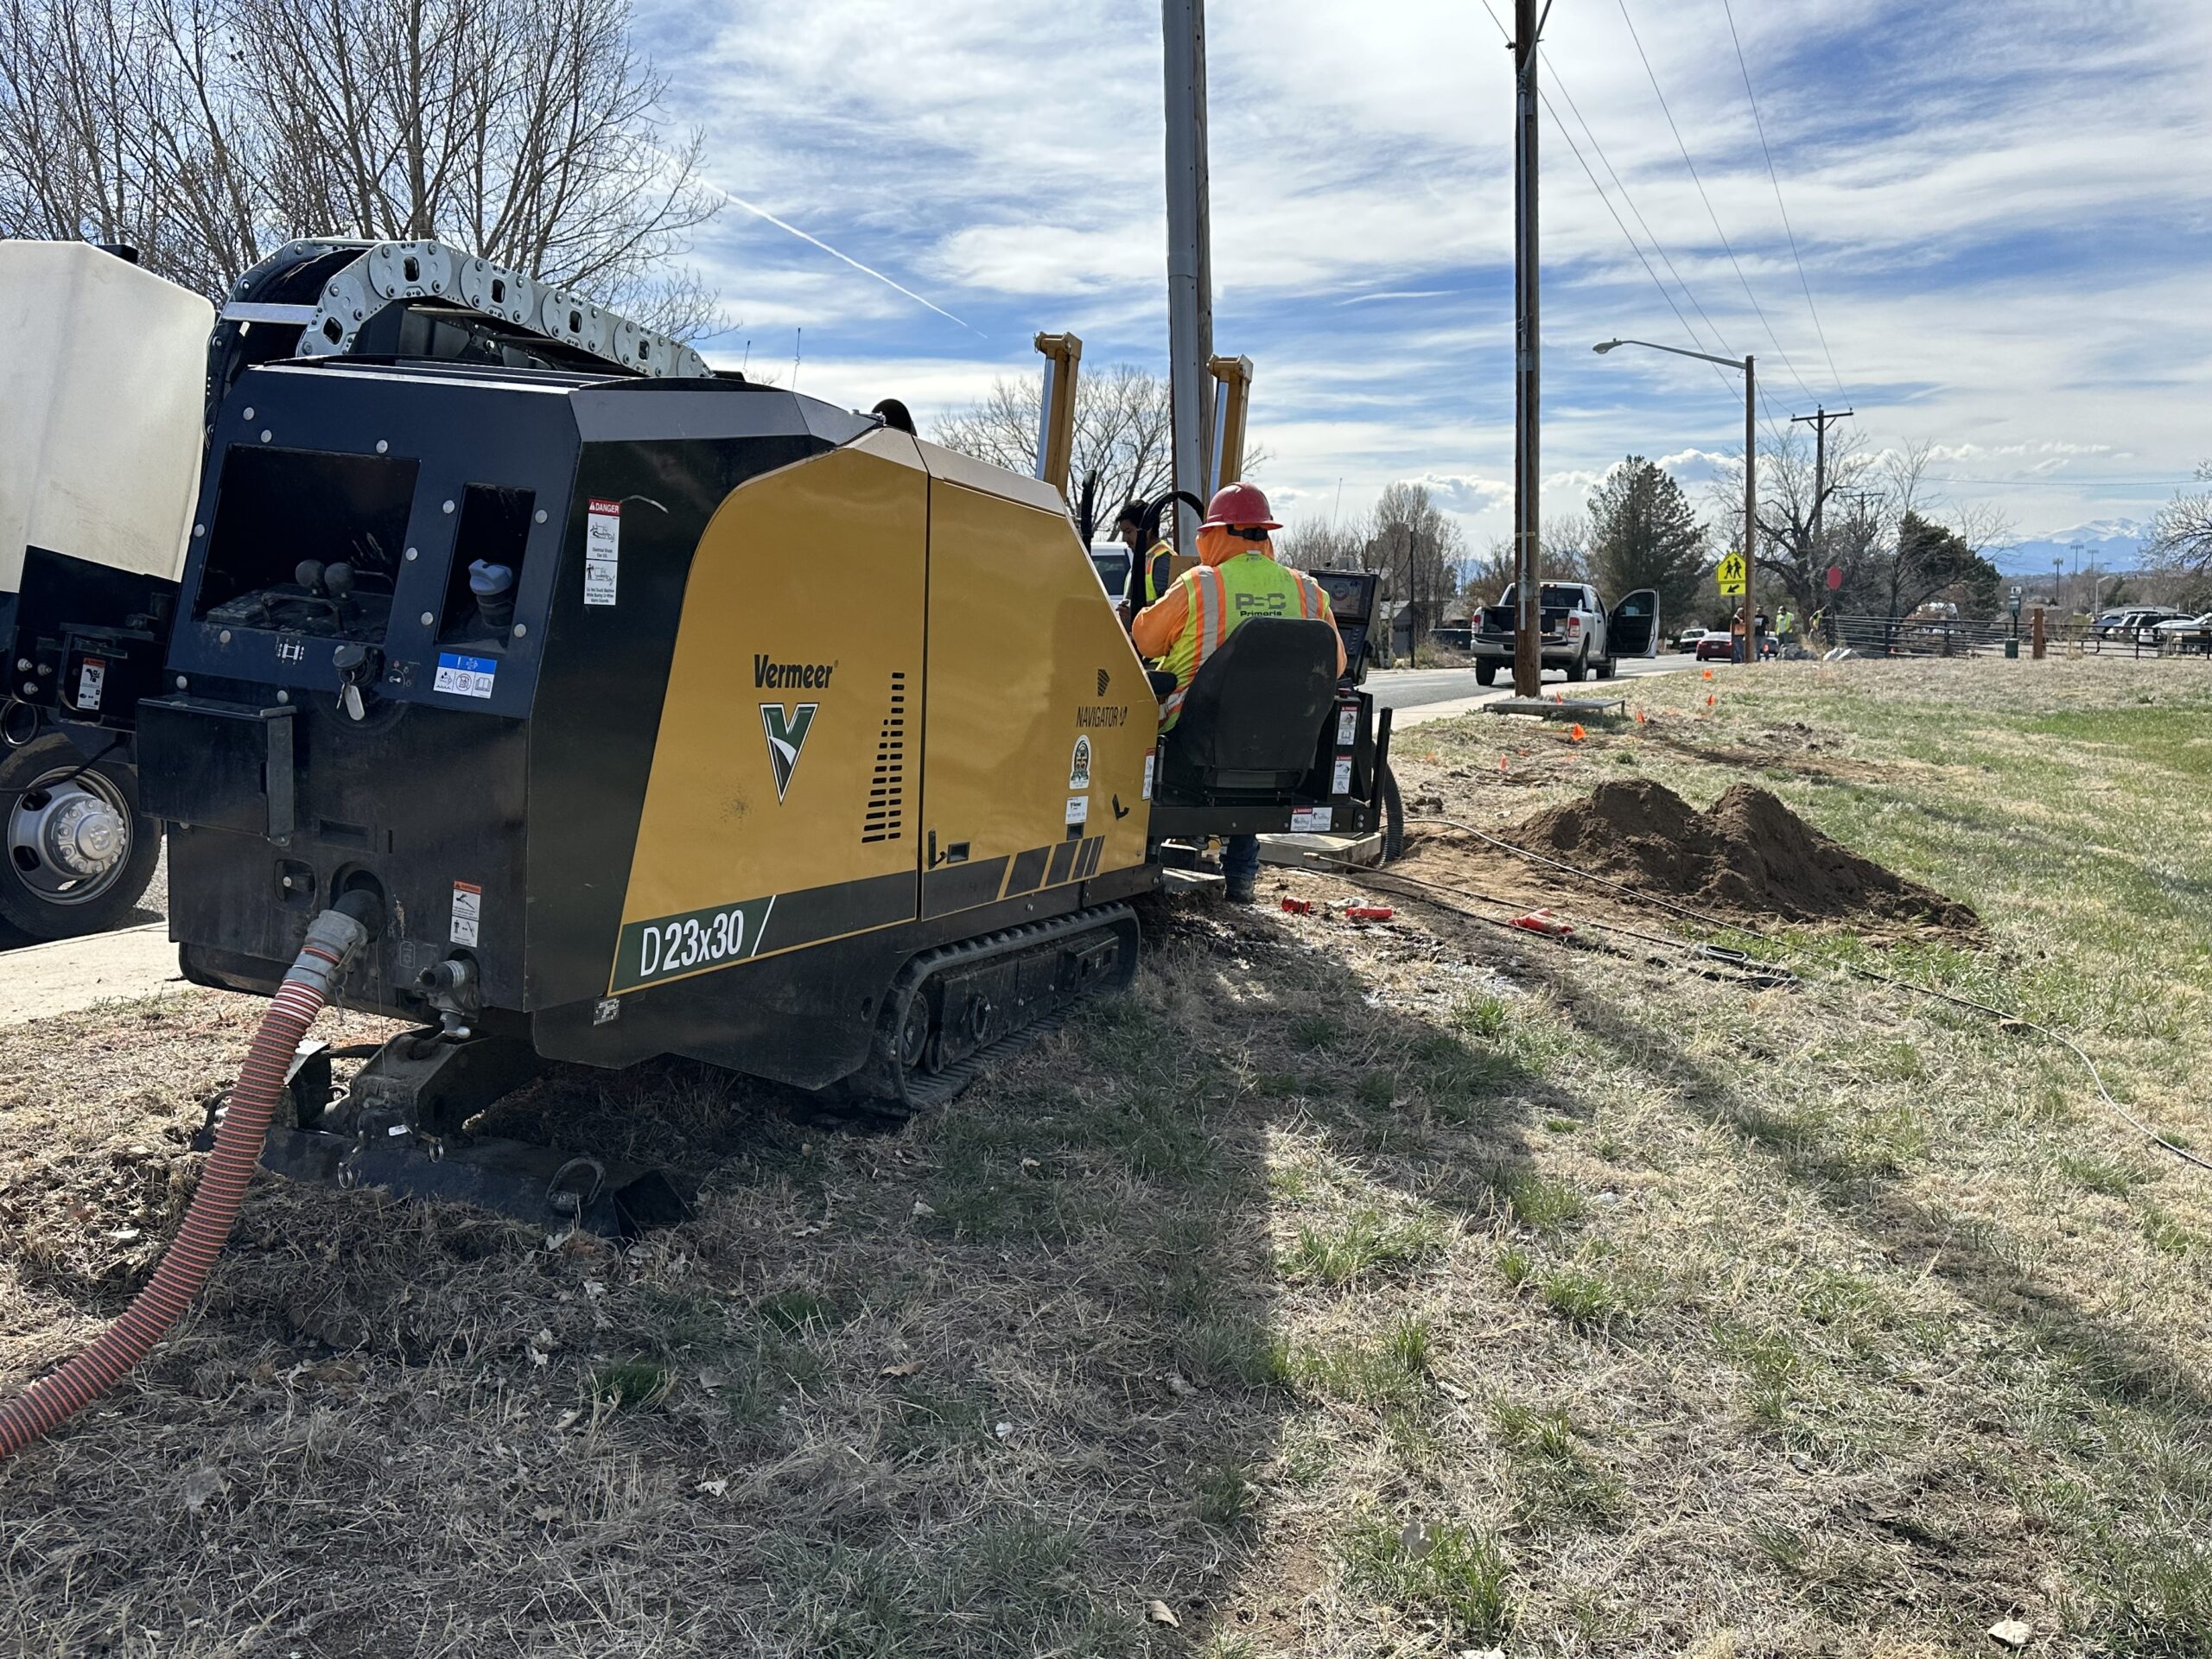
x=2114 y=544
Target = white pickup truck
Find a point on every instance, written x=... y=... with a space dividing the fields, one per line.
x=1578 y=633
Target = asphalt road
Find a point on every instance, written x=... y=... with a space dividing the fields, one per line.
x=1410 y=688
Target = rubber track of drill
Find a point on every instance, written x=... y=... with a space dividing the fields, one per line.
x=52 y=1399
x=924 y=1091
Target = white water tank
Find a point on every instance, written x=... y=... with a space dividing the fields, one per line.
x=100 y=427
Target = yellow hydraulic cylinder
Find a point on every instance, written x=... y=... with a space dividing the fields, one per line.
x=1056 y=409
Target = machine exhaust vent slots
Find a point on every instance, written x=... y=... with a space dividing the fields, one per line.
x=887 y=794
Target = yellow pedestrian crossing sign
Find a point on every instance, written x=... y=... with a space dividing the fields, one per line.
x=1732 y=574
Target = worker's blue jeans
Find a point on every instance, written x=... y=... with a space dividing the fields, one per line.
x=1240 y=860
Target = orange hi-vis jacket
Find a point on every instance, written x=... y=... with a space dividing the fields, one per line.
x=1235 y=578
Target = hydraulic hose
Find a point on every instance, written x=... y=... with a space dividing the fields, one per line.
x=333 y=940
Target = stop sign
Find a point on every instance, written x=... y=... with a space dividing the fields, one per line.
x=1835 y=577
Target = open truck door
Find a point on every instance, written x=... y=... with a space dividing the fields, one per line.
x=1632 y=627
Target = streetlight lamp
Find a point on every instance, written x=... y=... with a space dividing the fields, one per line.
x=1750 y=465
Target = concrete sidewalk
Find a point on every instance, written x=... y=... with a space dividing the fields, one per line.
x=40 y=980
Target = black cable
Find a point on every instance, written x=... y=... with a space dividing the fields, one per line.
x=1708 y=199
x=1598 y=149
x=67 y=777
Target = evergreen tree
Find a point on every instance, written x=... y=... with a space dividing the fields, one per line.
x=1642 y=533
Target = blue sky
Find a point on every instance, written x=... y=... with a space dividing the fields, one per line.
x=2004 y=212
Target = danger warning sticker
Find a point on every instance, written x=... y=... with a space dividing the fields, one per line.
x=467 y=912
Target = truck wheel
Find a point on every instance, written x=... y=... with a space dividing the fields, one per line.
x=78 y=853
x=1579 y=666
x=1485 y=673
x=1606 y=665
x=1393 y=817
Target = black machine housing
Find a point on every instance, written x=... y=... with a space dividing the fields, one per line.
x=1271 y=738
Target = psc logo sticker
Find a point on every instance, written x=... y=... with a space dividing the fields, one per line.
x=787 y=737
x=1079 y=765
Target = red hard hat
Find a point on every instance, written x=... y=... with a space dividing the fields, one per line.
x=1241 y=506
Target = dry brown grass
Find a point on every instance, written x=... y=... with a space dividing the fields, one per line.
x=1350 y=1291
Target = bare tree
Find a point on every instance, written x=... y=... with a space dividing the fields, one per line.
x=209 y=132
x=1490 y=572
x=1793 y=495
x=1124 y=433
x=1563 y=546
x=1124 y=436
x=1325 y=543
x=1421 y=550
x=2181 y=535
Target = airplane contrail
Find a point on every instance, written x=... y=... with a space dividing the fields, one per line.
x=759 y=212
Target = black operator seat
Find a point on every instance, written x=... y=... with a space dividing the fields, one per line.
x=1253 y=717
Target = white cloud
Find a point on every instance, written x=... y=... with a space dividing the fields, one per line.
x=2000 y=208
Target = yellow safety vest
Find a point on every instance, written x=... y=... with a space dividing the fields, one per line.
x=1155 y=566
x=1224 y=595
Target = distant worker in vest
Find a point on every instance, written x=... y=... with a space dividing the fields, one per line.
x=1236 y=577
x=1148 y=578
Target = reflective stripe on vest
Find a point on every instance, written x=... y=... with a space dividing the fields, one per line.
x=1210 y=613
x=1222 y=596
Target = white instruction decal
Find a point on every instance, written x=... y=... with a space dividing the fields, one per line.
x=91 y=678
x=467 y=911
x=602 y=551
x=607 y=1011
x=1347 y=727
x=1340 y=781
x=465 y=676
x=1151 y=759
x=1079 y=765
x=1079 y=810
x=1310 y=820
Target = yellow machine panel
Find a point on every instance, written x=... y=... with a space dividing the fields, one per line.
x=785 y=774
x=1039 y=722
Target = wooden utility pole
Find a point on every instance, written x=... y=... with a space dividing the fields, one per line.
x=1819 y=420
x=1528 y=482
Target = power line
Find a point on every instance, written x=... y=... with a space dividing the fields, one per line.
x=1776 y=178
x=1635 y=246
x=1651 y=236
x=1724 y=244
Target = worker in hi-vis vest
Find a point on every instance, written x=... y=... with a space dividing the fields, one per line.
x=1148 y=576
x=1236 y=576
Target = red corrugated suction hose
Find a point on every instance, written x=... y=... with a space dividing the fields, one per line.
x=52 y=1401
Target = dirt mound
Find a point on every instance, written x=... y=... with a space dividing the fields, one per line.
x=1750 y=853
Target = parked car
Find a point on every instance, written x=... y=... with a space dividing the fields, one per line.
x=2184 y=632
x=1112 y=565
x=1716 y=646
x=2125 y=625
x=1579 y=635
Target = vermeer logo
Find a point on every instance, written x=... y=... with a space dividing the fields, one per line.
x=787 y=737
x=790 y=676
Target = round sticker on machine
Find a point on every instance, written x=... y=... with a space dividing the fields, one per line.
x=1079 y=765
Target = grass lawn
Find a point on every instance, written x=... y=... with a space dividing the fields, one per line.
x=1394 y=1290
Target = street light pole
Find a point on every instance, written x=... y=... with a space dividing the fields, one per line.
x=1750 y=372
x=1751 y=505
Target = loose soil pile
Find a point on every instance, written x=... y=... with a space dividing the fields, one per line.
x=1750 y=853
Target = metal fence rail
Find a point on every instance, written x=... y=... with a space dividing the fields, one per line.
x=1892 y=635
